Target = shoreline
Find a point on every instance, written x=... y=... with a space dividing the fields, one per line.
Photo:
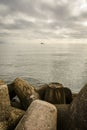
x=19 y=98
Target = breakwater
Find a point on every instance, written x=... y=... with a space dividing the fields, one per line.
x=48 y=107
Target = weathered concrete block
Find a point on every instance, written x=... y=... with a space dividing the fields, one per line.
x=3 y=114
x=1 y=82
x=4 y=96
x=74 y=95
x=25 y=91
x=53 y=93
x=3 y=125
x=63 y=116
x=57 y=94
x=68 y=95
x=9 y=117
x=42 y=90
x=13 y=116
x=78 y=111
x=55 y=85
x=39 y=116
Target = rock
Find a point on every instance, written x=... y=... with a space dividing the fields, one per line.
x=41 y=90
x=2 y=82
x=3 y=114
x=9 y=117
x=55 y=85
x=14 y=117
x=4 y=96
x=74 y=95
x=39 y=116
x=3 y=125
x=63 y=116
x=78 y=111
x=68 y=95
x=25 y=91
x=57 y=94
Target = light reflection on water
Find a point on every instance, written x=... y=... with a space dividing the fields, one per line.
x=64 y=63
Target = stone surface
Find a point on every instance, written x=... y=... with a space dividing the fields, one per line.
x=74 y=95
x=3 y=125
x=25 y=91
x=9 y=117
x=14 y=116
x=39 y=116
x=55 y=85
x=57 y=94
x=4 y=96
x=78 y=111
x=42 y=90
x=1 y=82
x=68 y=95
x=63 y=116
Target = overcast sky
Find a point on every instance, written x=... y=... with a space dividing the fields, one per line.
x=43 y=20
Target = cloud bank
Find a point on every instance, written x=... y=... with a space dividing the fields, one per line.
x=47 y=20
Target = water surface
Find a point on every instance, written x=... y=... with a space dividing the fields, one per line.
x=64 y=63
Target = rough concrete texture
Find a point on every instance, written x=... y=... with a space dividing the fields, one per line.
x=4 y=96
x=14 y=116
x=25 y=92
x=78 y=111
x=9 y=117
x=42 y=90
x=63 y=116
x=1 y=82
x=57 y=94
x=39 y=116
x=3 y=125
x=55 y=85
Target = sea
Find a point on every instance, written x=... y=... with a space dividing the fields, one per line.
x=65 y=63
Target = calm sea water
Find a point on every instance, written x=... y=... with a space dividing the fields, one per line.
x=64 y=63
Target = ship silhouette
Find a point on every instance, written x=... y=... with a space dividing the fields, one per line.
x=41 y=43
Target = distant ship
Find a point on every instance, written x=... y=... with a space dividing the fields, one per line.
x=41 y=43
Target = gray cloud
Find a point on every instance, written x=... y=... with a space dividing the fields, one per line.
x=42 y=19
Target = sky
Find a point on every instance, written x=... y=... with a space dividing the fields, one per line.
x=50 y=21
